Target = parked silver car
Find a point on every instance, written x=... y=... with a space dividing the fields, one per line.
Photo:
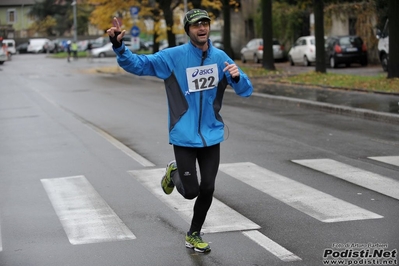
x=103 y=51
x=253 y=51
x=107 y=50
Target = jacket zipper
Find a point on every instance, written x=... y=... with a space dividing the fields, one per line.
x=204 y=55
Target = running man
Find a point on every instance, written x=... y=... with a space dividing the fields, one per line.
x=196 y=75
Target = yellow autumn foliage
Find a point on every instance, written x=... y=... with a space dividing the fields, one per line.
x=42 y=26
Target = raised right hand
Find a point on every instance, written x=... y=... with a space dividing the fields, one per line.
x=115 y=31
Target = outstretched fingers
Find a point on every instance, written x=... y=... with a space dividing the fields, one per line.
x=232 y=68
x=116 y=30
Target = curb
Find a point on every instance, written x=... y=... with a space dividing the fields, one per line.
x=271 y=90
x=333 y=108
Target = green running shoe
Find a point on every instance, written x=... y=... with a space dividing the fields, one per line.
x=167 y=182
x=195 y=241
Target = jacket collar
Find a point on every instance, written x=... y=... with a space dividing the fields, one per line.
x=198 y=51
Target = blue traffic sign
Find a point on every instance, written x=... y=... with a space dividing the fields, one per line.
x=134 y=10
x=135 y=31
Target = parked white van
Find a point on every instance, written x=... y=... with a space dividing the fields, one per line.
x=39 y=45
x=10 y=45
x=383 y=46
x=3 y=54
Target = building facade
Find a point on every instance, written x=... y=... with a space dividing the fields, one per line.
x=14 y=19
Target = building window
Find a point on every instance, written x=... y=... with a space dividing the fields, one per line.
x=11 y=16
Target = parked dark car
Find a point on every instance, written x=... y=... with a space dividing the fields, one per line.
x=22 y=48
x=345 y=50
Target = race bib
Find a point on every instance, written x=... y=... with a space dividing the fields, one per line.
x=202 y=78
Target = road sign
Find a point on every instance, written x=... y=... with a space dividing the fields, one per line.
x=135 y=31
x=134 y=11
x=135 y=43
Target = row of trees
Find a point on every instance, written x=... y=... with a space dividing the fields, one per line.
x=158 y=10
x=389 y=6
x=56 y=19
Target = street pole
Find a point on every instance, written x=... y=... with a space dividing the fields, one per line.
x=185 y=6
x=75 y=24
x=185 y=11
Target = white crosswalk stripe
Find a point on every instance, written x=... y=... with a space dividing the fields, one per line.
x=394 y=160
x=313 y=202
x=85 y=216
x=372 y=181
x=274 y=248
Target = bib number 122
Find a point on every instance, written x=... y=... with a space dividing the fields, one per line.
x=204 y=83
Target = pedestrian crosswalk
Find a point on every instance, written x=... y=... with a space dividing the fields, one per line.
x=310 y=201
x=367 y=179
x=87 y=218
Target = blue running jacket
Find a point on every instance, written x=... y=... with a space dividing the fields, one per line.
x=195 y=84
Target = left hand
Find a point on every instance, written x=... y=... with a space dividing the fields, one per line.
x=233 y=69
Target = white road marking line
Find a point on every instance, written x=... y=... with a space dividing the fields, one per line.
x=135 y=156
x=129 y=152
x=1 y=245
x=313 y=202
x=85 y=216
x=220 y=218
x=372 y=181
x=271 y=246
x=394 y=160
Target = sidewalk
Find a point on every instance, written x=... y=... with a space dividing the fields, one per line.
x=367 y=105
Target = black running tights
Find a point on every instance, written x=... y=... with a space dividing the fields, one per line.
x=186 y=179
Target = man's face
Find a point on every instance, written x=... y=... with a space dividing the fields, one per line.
x=199 y=32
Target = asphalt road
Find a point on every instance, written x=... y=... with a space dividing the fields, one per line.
x=82 y=154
